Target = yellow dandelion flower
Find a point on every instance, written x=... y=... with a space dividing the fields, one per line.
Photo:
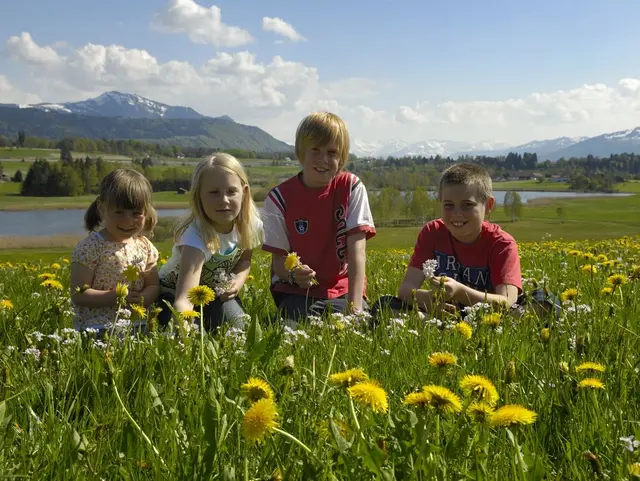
x=545 y=334
x=122 y=290
x=190 y=315
x=55 y=266
x=131 y=273
x=256 y=389
x=46 y=276
x=570 y=294
x=259 y=420
x=590 y=367
x=6 y=304
x=349 y=377
x=635 y=272
x=65 y=260
x=52 y=284
x=589 y=269
x=492 y=320
x=480 y=411
x=201 y=295
x=564 y=367
x=371 y=394
x=574 y=253
x=479 y=387
x=417 y=399
x=588 y=257
x=139 y=310
x=634 y=470
x=291 y=261
x=511 y=414
x=606 y=291
x=591 y=383
x=601 y=258
x=442 y=359
x=443 y=399
x=250 y=278
x=464 y=329
x=617 y=280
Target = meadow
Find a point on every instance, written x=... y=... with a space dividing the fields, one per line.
x=480 y=394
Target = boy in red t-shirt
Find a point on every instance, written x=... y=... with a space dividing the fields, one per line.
x=480 y=260
x=322 y=214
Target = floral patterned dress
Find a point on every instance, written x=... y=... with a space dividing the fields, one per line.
x=108 y=260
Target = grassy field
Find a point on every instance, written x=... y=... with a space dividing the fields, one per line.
x=532 y=185
x=473 y=395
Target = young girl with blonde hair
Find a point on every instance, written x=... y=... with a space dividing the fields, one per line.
x=124 y=212
x=213 y=242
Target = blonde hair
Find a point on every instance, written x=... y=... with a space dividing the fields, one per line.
x=472 y=175
x=322 y=128
x=247 y=221
x=123 y=189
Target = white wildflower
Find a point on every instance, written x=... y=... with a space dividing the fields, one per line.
x=429 y=268
x=630 y=444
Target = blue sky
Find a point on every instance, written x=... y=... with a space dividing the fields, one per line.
x=412 y=70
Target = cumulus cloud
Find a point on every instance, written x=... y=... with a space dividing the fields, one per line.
x=280 y=27
x=201 y=24
x=276 y=93
x=10 y=94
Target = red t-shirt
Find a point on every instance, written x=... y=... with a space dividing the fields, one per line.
x=482 y=265
x=315 y=224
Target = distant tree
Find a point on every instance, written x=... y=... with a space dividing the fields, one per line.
x=561 y=213
x=512 y=205
x=4 y=142
x=17 y=177
x=21 y=138
x=65 y=155
x=421 y=203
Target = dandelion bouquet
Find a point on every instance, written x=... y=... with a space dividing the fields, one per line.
x=292 y=262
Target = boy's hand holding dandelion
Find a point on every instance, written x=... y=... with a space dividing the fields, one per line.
x=301 y=274
x=449 y=286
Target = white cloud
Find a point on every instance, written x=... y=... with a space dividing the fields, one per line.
x=201 y=24
x=10 y=94
x=276 y=93
x=280 y=27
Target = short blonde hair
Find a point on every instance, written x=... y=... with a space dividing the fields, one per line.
x=472 y=175
x=322 y=128
x=248 y=220
x=123 y=189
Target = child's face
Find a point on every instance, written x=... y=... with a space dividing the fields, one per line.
x=320 y=164
x=462 y=211
x=122 y=224
x=221 y=195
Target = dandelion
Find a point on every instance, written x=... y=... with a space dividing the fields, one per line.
x=6 y=305
x=589 y=269
x=259 y=420
x=443 y=399
x=429 y=268
x=46 y=275
x=139 y=310
x=617 y=280
x=291 y=261
x=492 y=320
x=371 y=394
x=420 y=399
x=635 y=272
x=590 y=367
x=190 y=315
x=349 y=377
x=55 y=266
x=442 y=359
x=570 y=294
x=574 y=253
x=634 y=470
x=201 y=295
x=52 y=284
x=564 y=367
x=510 y=415
x=601 y=258
x=480 y=411
x=591 y=383
x=131 y=273
x=479 y=387
x=256 y=389
x=606 y=291
x=545 y=334
x=464 y=329
x=122 y=291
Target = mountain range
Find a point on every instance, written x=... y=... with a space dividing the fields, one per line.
x=624 y=141
x=116 y=115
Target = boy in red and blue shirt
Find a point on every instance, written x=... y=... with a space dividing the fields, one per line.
x=323 y=215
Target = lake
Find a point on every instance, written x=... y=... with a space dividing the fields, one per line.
x=70 y=221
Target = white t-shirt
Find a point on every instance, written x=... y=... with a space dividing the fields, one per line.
x=226 y=257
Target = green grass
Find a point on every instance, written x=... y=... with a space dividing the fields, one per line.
x=173 y=407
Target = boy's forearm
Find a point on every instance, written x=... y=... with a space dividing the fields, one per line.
x=422 y=297
x=469 y=296
x=94 y=298
x=356 y=273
